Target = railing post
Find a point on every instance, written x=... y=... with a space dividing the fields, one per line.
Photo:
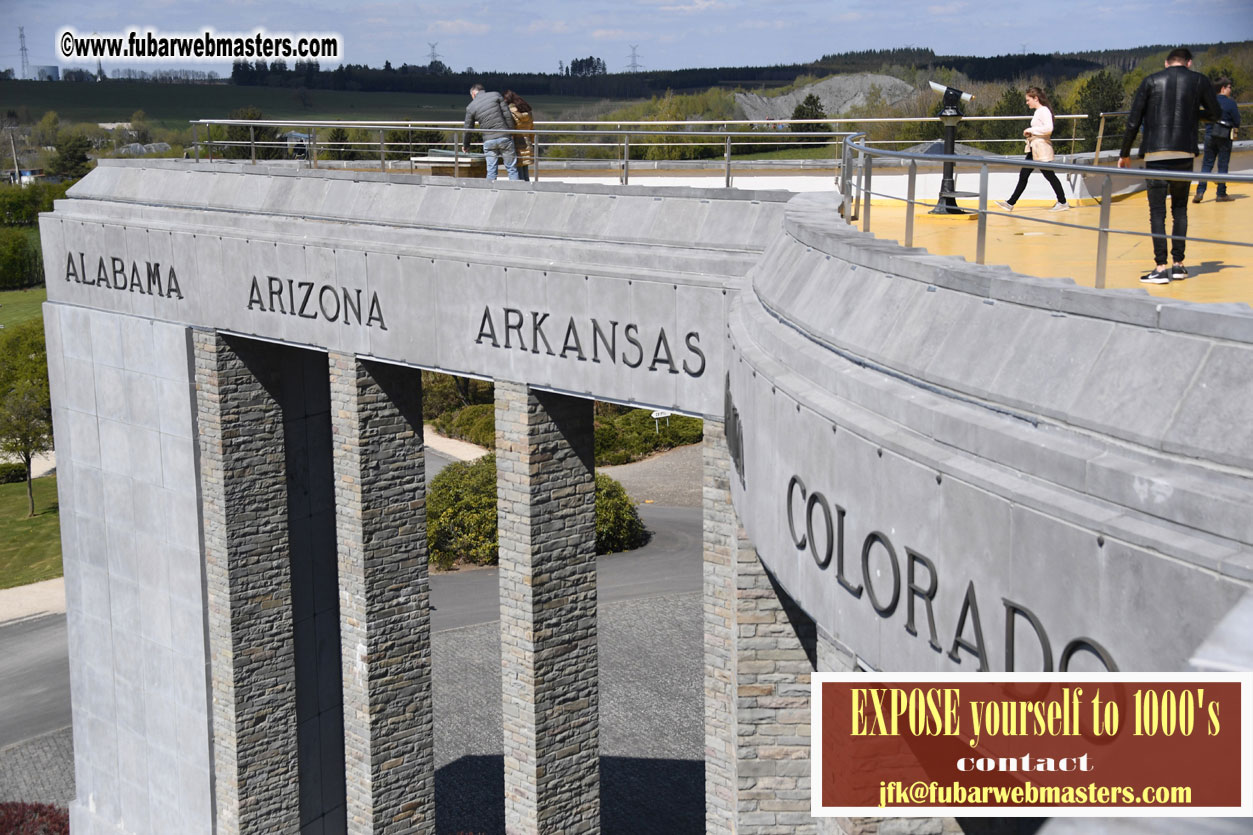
x=209 y=131
x=252 y=143
x=1102 y=238
x=867 y=163
x=626 y=159
x=846 y=183
x=728 y=154
x=456 y=155
x=195 y=142
x=911 y=186
x=313 y=147
x=1100 y=136
x=535 y=158
x=982 y=242
x=1074 y=127
x=382 y=153
x=409 y=148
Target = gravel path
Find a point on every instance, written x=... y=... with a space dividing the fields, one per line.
x=671 y=478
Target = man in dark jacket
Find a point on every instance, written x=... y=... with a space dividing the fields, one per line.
x=493 y=116
x=1169 y=105
x=1218 y=139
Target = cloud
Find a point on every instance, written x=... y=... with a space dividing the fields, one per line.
x=559 y=27
x=697 y=6
x=946 y=9
x=457 y=27
x=610 y=34
x=763 y=24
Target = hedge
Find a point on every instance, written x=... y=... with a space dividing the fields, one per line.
x=12 y=473
x=620 y=438
x=461 y=515
x=21 y=262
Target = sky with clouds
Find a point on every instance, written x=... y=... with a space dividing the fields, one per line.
x=668 y=34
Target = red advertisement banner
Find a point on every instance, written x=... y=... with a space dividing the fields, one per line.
x=1128 y=744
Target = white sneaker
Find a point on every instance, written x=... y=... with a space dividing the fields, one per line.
x=1060 y=207
x=1009 y=207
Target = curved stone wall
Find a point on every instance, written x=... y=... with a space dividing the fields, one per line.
x=952 y=467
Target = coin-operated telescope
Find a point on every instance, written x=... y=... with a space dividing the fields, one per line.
x=950 y=115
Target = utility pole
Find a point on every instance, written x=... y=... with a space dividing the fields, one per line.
x=21 y=34
x=634 y=66
x=434 y=56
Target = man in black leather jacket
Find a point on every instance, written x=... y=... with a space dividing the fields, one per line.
x=1169 y=105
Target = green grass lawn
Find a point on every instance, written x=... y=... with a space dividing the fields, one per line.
x=820 y=152
x=30 y=547
x=17 y=306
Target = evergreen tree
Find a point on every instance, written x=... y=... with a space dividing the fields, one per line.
x=810 y=108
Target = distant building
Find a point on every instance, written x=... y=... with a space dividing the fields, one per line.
x=23 y=176
x=47 y=73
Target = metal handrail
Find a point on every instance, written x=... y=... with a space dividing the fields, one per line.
x=554 y=128
x=1100 y=133
x=865 y=168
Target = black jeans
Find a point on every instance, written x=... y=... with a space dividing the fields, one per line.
x=1048 y=175
x=1178 y=209
x=1219 y=149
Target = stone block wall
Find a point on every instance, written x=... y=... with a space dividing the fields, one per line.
x=130 y=531
x=546 y=494
x=380 y=500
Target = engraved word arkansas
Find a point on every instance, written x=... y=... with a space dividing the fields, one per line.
x=591 y=339
x=114 y=275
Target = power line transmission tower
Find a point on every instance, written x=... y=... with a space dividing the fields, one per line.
x=635 y=65
x=434 y=56
x=21 y=34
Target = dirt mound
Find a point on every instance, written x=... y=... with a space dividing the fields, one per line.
x=838 y=94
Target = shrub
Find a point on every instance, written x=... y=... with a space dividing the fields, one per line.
x=461 y=515
x=20 y=206
x=12 y=473
x=618 y=524
x=476 y=424
x=21 y=262
x=444 y=393
x=622 y=436
x=33 y=819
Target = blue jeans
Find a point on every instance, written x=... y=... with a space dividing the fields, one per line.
x=494 y=148
x=1219 y=149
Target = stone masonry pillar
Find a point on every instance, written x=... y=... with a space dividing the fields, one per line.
x=244 y=502
x=719 y=528
x=384 y=610
x=760 y=651
x=546 y=511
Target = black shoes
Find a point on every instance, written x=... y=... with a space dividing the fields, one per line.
x=1160 y=275
x=1224 y=198
x=1178 y=272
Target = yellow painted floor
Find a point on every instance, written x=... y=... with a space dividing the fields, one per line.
x=1217 y=272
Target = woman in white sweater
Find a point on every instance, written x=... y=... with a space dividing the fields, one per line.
x=1039 y=148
